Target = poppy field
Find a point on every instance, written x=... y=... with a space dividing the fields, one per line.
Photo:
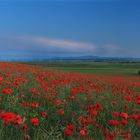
x=37 y=103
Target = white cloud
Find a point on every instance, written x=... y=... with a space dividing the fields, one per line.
x=44 y=46
x=46 y=42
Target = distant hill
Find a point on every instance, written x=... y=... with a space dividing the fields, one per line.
x=78 y=58
x=93 y=58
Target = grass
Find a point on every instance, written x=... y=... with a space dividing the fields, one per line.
x=121 y=68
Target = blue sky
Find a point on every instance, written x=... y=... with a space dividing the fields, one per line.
x=51 y=28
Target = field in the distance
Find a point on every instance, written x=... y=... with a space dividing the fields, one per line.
x=117 y=68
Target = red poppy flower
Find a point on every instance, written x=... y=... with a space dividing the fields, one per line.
x=124 y=115
x=44 y=114
x=114 y=122
x=58 y=102
x=35 y=121
x=116 y=114
x=83 y=132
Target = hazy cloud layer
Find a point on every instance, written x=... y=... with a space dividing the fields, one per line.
x=44 y=47
x=59 y=44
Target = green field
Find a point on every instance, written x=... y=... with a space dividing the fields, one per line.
x=123 y=68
